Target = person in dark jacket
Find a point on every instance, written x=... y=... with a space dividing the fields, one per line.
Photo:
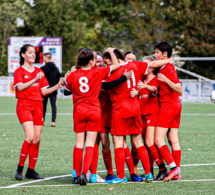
x=53 y=76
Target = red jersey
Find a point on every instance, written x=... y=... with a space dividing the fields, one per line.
x=125 y=106
x=22 y=75
x=149 y=101
x=106 y=107
x=166 y=93
x=85 y=85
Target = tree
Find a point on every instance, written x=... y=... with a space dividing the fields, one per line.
x=9 y=12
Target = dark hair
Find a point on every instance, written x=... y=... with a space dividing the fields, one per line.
x=128 y=52
x=164 y=46
x=48 y=55
x=117 y=53
x=23 y=49
x=84 y=56
x=98 y=53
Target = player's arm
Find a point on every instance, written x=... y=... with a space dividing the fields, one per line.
x=112 y=84
x=113 y=59
x=151 y=89
x=66 y=92
x=159 y=63
x=176 y=87
x=47 y=91
x=23 y=86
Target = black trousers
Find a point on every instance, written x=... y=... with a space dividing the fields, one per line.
x=53 y=101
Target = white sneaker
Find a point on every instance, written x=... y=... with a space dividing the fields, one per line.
x=99 y=179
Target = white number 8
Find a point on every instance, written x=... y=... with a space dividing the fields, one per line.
x=84 y=88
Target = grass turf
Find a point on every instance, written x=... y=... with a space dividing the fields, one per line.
x=196 y=137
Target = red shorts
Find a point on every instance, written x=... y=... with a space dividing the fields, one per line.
x=90 y=121
x=30 y=110
x=149 y=120
x=104 y=130
x=126 y=126
x=169 y=115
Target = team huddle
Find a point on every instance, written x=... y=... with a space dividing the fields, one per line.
x=124 y=98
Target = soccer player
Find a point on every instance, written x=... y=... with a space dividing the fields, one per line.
x=126 y=119
x=30 y=84
x=129 y=56
x=169 y=115
x=85 y=84
x=99 y=59
x=149 y=108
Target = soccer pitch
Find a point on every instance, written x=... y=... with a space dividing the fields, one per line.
x=55 y=159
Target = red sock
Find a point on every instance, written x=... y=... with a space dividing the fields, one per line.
x=88 y=156
x=78 y=158
x=33 y=155
x=74 y=161
x=129 y=160
x=24 y=152
x=155 y=153
x=176 y=154
x=94 y=163
x=151 y=159
x=120 y=162
x=135 y=156
x=164 y=150
x=108 y=161
x=144 y=157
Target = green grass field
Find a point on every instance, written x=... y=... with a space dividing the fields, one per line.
x=196 y=137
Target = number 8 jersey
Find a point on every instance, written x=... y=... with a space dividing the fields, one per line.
x=85 y=85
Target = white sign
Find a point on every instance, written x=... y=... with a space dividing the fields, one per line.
x=41 y=44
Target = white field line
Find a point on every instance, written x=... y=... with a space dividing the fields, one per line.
x=70 y=114
x=66 y=185
x=100 y=171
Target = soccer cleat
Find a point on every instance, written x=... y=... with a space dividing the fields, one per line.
x=136 y=170
x=161 y=175
x=93 y=178
x=31 y=174
x=75 y=180
x=74 y=173
x=178 y=177
x=117 y=181
x=136 y=178
x=53 y=124
x=148 y=177
x=99 y=179
x=109 y=177
x=172 y=174
x=82 y=180
x=18 y=174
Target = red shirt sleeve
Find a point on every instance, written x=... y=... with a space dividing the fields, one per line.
x=17 y=77
x=172 y=75
x=142 y=67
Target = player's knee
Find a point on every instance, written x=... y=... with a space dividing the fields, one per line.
x=105 y=146
x=149 y=143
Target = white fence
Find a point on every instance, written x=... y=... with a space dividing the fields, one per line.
x=193 y=90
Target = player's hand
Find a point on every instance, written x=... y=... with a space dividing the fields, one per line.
x=171 y=60
x=67 y=74
x=109 y=49
x=73 y=69
x=134 y=92
x=61 y=83
x=141 y=85
x=128 y=74
x=39 y=76
x=161 y=77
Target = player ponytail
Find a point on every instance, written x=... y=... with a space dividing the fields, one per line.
x=84 y=58
x=23 y=49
